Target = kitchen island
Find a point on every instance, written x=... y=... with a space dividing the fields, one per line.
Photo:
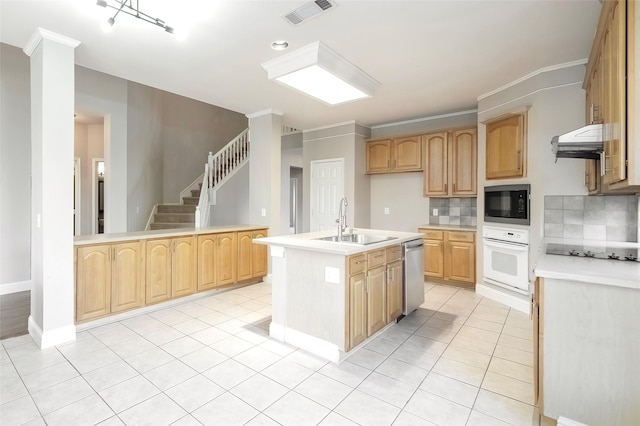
x=587 y=336
x=332 y=297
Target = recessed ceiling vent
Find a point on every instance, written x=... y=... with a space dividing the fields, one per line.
x=308 y=11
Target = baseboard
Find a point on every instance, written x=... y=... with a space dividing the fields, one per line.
x=309 y=343
x=504 y=296
x=51 y=338
x=16 y=287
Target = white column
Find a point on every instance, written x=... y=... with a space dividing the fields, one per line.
x=52 y=131
x=265 y=172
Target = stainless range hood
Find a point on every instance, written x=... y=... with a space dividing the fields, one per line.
x=586 y=142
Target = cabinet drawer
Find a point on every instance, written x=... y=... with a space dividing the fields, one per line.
x=375 y=258
x=432 y=235
x=357 y=264
x=461 y=236
x=394 y=253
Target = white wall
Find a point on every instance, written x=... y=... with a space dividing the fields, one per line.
x=232 y=200
x=556 y=104
x=15 y=169
x=290 y=158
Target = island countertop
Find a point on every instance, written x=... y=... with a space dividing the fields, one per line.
x=160 y=233
x=583 y=269
x=469 y=228
x=308 y=241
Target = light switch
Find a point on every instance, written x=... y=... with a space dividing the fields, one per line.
x=386 y=210
x=435 y=212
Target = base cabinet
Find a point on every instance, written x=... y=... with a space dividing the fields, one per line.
x=374 y=292
x=104 y=277
x=171 y=268
x=252 y=258
x=450 y=255
x=226 y=258
x=259 y=255
x=206 y=262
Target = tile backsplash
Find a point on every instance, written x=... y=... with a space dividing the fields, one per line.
x=608 y=218
x=453 y=211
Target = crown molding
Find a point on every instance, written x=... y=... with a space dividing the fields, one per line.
x=41 y=34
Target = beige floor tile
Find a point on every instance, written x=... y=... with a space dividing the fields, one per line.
x=367 y=410
x=399 y=370
x=335 y=419
x=437 y=410
x=346 y=372
x=407 y=419
x=427 y=345
x=478 y=419
x=516 y=343
x=479 y=334
x=507 y=409
x=467 y=356
x=387 y=389
x=436 y=333
x=515 y=355
x=451 y=389
x=474 y=344
x=367 y=358
x=459 y=371
x=443 y=325
x=523 y=333
x=415 y=356
x=511 y=369
x=508 y=386
x=485 y=325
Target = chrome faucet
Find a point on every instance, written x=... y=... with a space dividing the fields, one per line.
x=342 y=217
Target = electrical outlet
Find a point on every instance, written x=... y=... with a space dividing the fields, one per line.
x=263 y=212
x=386 y=210
x=435 y=212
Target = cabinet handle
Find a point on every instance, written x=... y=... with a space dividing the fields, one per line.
x=586 y=179
x=519 y=160
x=359 y=262
x=388 y=164
x=445 y=187
x=454 y=187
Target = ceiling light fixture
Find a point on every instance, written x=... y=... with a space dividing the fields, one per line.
x=279 y=45
x=131 y=7
x=319 y=71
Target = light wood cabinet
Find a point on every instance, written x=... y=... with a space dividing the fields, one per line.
x=505 y=154
x=450 y=163
x=206 y=262
x=450 y=255
x=394 y=290
x=245 y=255
x=171 y=268
x=610 y=83
x=109 y=279
x=226 y=258
x=259 y=255
x=376 y=303
x=402 y=154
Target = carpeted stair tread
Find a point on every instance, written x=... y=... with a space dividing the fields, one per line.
x=176 y=208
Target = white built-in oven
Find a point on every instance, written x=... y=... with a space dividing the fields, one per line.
x=506 y=258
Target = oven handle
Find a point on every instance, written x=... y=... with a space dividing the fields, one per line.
x=508 y=246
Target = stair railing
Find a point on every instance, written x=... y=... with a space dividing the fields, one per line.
x=219 y=167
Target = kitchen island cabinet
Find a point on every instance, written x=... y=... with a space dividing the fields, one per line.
x=330 y=298
x=120 y=272
x=587 y=339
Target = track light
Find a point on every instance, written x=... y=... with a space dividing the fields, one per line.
x=131 y=7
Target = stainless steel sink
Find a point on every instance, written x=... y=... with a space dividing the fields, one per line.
x=359 y=239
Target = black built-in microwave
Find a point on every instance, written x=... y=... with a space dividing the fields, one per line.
x=507 y=204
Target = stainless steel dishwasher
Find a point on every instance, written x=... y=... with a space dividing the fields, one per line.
x=413 y=277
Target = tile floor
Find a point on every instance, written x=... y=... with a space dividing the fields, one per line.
x=458 y=360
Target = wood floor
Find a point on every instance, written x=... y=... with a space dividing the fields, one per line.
x=14 y=314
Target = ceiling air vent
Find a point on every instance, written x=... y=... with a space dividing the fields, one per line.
x=308 y=10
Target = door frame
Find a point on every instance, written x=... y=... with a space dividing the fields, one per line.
x=312 y=183
x=94 y=194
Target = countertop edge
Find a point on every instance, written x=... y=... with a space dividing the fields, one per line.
x=466 y=228
x=160 y=233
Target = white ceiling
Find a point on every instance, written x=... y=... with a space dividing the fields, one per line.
x=431 y=57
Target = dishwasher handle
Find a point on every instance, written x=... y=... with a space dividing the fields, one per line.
x=413 y=245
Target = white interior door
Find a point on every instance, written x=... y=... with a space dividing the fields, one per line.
x=327 y=188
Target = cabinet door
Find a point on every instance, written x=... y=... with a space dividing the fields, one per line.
x=407 y=154
x=435 y=165
x=357 y=309
x=505 y=148
x=226 y=255
x=433 y=258
x=93 y=282
x=614 y=50
x=376 y=295
x=463 y=162
x=259 y=256
x=379 y=156
x=183 y=267
x=460 y=261
x=158 y=271
x=127 y=284
x=245 y=252
x=394 y=290
x=206 y=262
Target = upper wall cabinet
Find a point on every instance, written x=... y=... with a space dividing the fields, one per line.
x=450 y=163
x=506 y=147
x=394 y=155
x=610 y=83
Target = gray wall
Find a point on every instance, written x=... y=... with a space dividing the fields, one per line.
x=88 y=144
x=232 y=200
x=402 y=192
x=341 y=141
x=15 y=166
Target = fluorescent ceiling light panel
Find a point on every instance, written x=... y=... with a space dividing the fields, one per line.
x=321 y=72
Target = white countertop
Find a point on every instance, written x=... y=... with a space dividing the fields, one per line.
x=450 y=227
x=307 y=241
x=597 y=271
x=160 y=233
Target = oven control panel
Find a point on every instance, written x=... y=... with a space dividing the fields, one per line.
x=506 y=234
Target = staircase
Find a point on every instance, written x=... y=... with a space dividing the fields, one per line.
x=194 y=210
x=171 y=216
